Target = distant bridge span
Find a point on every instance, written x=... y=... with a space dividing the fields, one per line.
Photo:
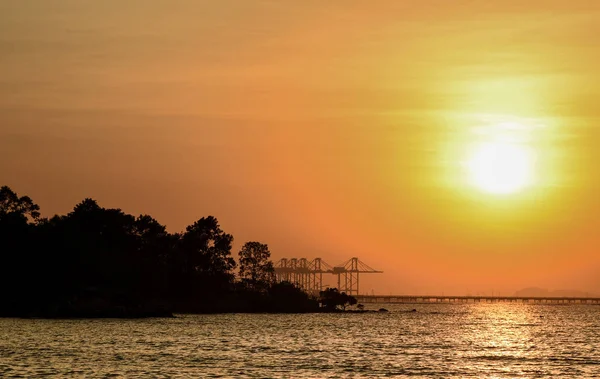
x=411 y=299
x=308 y=275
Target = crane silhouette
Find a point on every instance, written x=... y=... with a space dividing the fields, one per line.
x=308 y=275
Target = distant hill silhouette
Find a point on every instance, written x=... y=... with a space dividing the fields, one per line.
x=543 y=292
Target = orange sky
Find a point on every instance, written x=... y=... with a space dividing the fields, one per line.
x=330 y=129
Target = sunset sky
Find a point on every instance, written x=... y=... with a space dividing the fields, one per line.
x=326 y=129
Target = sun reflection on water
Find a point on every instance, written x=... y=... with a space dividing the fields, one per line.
x=438 y=341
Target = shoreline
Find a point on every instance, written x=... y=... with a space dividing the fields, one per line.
x=121 y=316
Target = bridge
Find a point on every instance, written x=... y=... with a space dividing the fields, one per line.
x=308 y=274
x=411 y=299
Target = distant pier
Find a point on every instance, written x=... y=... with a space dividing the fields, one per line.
x=408 y=299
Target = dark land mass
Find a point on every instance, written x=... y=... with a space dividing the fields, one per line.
x=101 y=262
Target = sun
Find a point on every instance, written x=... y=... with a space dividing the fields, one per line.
x=501 y=167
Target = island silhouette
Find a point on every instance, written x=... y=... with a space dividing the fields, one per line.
x=103 y=262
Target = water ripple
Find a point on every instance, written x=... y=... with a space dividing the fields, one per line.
x=440 y=340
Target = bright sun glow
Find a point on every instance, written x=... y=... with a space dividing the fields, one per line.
x=501 y=167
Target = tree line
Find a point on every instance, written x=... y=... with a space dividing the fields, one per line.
x=103 y=261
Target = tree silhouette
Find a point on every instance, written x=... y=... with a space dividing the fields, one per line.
x=333 y=299
x=11 y=205
x=256 y=268
x=201 y=266
x=153 y=248
x=98 y=261
x=17 y=245
x=286 y=297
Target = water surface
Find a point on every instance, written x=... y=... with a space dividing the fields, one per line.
x=440 y=340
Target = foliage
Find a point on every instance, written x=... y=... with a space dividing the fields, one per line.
x=13 y=206
x=287 y=297
x=256 y=268
x=64 y=265
x=333 y=299
x=201 y=265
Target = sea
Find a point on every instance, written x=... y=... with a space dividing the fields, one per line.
x=500 y=340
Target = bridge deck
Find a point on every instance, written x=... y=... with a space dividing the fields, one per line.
x=408 y=299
